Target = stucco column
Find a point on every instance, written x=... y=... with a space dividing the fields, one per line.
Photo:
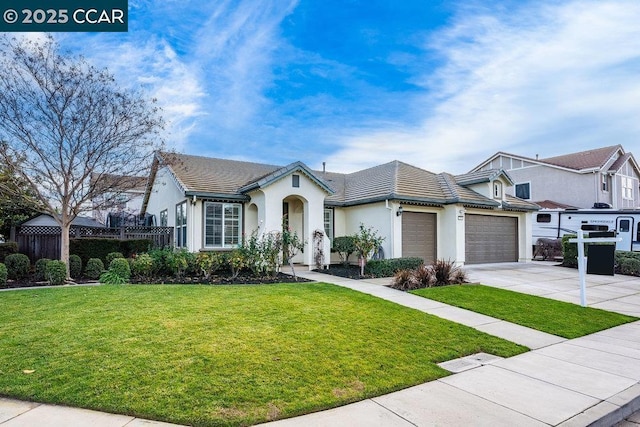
x=451 y=234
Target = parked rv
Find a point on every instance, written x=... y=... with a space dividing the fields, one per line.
x=555 y=223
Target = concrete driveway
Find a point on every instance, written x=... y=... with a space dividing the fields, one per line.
x=613 y=293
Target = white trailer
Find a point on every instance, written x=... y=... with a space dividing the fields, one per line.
x=555 y=223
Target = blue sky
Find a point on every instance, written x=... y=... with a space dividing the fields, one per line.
x=438 y=84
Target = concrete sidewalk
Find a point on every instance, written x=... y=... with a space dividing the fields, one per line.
x=593 y=380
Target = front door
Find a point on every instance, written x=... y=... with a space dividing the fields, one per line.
x=624 y=227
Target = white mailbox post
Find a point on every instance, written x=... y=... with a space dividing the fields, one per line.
x=582 y=264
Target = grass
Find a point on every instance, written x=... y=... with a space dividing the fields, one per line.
x=555 y=317
x=220 y=355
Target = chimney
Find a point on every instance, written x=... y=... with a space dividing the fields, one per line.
x=324 y=165
x=536 y=157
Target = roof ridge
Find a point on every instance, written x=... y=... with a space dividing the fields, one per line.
x=449 y=182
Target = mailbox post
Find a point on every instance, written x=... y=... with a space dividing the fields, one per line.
x=582 y=265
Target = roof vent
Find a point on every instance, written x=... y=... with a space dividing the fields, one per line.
x=600 y=205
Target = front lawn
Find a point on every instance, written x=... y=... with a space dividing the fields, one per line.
x=220 y=355
x=555 y=317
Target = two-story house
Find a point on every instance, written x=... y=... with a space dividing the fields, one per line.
x=606 y=176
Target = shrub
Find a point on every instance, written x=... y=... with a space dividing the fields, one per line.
x=236 y=261
x=403 y=280
x=41 y=269
x=177 y=262
x=142 y=266
x=120 y=266
x=111 y=278
x=94 y=268
x=75 y=266
x=627 y=263
x=208 y=263
x=113 y=255
x=423 y=277
x=56 y=272
x=18 y=266
x=446 y=273
x=6 y=249
x=3 y=274
x=344 y=246
x=389 y=267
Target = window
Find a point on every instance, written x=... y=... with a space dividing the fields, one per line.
x=181 y=225
x=624 y=226
x=222 y=224
x=497 y=190
x=164 y=218
x=523 y=191
x=591 y=227
x=328 y=223
x=543 y=218
x=627 y=187
x=605 y=182
x=295 y=180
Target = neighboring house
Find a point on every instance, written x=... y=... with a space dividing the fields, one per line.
x=213 y=203
x=607 y=175
x=121 y=203
x=46 y=220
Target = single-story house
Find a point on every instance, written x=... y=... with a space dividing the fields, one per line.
x=213 y=203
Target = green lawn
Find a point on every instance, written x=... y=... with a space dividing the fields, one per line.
x=555 y=317
x=220 y=355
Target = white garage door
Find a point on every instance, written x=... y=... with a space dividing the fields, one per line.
x=419 y=235
x=490 y=239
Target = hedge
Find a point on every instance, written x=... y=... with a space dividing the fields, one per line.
x=389 y=267
x=7 y=248
x=627 y=263
x=100 y=248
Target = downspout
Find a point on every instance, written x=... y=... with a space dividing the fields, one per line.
x=614 y=192
x=393 y=240
x=193 y=225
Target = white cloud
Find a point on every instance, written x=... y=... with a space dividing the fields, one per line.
x=153 y=65
x=235 y=50
x=544 y=79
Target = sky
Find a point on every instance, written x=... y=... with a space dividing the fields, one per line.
x=438 y=84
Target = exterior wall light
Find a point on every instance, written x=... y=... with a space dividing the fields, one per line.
x=399 y=211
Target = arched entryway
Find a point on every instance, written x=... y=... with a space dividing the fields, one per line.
x=293 y=213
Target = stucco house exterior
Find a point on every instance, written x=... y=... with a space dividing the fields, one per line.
x=606 y=175
x=213 y=203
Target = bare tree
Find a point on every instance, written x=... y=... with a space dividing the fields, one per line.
x=64 y=121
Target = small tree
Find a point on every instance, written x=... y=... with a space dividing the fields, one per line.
x=292 y=244
x=365 y=242
x=344 y=246
x=65 y=122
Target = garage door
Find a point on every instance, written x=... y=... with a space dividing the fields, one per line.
x=491 y=239
x=419 y=235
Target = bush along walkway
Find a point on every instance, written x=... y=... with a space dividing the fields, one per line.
x=592 y=380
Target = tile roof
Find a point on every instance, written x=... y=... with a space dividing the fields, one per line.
x=550 y=204
x=482 y=176
x=589 y=159
x=394 y=180
x=212 y=175
x=515 y=204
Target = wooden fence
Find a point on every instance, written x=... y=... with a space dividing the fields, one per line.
x=38 y=241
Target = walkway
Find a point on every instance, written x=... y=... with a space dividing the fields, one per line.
x=593 y=380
